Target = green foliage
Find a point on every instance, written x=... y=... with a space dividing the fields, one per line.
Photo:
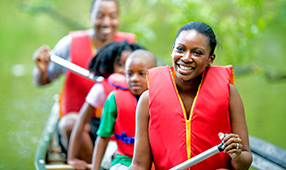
x=237 y=23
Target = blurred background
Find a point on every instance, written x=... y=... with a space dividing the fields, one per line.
x=251 y=34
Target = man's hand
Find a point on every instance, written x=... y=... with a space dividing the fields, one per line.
x=42 y=58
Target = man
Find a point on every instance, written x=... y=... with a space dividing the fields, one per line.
x=79 y=47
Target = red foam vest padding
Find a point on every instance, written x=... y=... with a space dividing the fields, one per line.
x=118 y=80
x=77 y=87
x=107 y=89
x=125 y=121
x=168 y=127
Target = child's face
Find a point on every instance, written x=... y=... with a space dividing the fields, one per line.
x=136 y=70
x=191 y=55
x=119 y=67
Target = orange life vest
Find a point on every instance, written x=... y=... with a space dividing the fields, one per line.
x=77 y=87
x=174 y=138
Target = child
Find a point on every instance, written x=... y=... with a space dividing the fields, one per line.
x=119 y=111
x=110 y=59
x=187 y=105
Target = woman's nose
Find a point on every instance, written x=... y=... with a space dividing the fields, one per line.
x=187 y=57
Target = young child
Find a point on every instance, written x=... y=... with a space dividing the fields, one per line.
x=187 y=105
x=119 y=111
x=110 y=59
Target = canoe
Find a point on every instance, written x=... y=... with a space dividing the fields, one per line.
x=48 y=154
x=267 y=155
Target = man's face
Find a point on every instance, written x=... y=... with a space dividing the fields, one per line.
x=105 y=19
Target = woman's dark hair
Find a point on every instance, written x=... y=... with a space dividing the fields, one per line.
x=202 y=28
x=102 y=63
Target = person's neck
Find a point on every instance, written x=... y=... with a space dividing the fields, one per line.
x=190 y=87
x=99 y=43
x=137 y=97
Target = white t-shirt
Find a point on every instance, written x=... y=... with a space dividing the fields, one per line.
x=96 y=96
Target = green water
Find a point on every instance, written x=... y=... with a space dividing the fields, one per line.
x=25 y=108
x=265 y=107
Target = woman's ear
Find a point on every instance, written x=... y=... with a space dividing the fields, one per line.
x=211 y=60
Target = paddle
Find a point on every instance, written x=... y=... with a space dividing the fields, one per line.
x=63 y=166
x=202 y=156
x=75 y=68
x=198 y=158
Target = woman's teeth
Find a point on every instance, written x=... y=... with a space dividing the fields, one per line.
x=185 y=68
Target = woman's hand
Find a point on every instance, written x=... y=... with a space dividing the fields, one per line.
x=232 y=144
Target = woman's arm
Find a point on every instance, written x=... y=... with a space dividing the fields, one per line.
x=237 y=143
x=142 y=157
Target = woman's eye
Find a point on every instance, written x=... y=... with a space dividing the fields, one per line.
x=198 y=53
x=180 y=49
x=142 y=74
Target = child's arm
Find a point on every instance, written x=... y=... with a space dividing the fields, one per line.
x=142 y=151
x=237 y=143
x=105 y=130
x=85 y=114
x=98 y=152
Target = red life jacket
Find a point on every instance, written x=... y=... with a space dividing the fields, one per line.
x=173 y=138
x=124 y=128
x=77 y=87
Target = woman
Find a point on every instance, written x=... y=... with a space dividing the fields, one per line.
x=187 y=105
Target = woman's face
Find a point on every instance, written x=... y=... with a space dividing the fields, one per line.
x=191 y=55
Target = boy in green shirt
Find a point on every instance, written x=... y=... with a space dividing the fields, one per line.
x=118 y=117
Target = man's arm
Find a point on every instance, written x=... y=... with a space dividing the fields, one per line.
x=45 y=71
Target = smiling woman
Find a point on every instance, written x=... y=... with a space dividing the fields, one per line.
x=202 y=102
